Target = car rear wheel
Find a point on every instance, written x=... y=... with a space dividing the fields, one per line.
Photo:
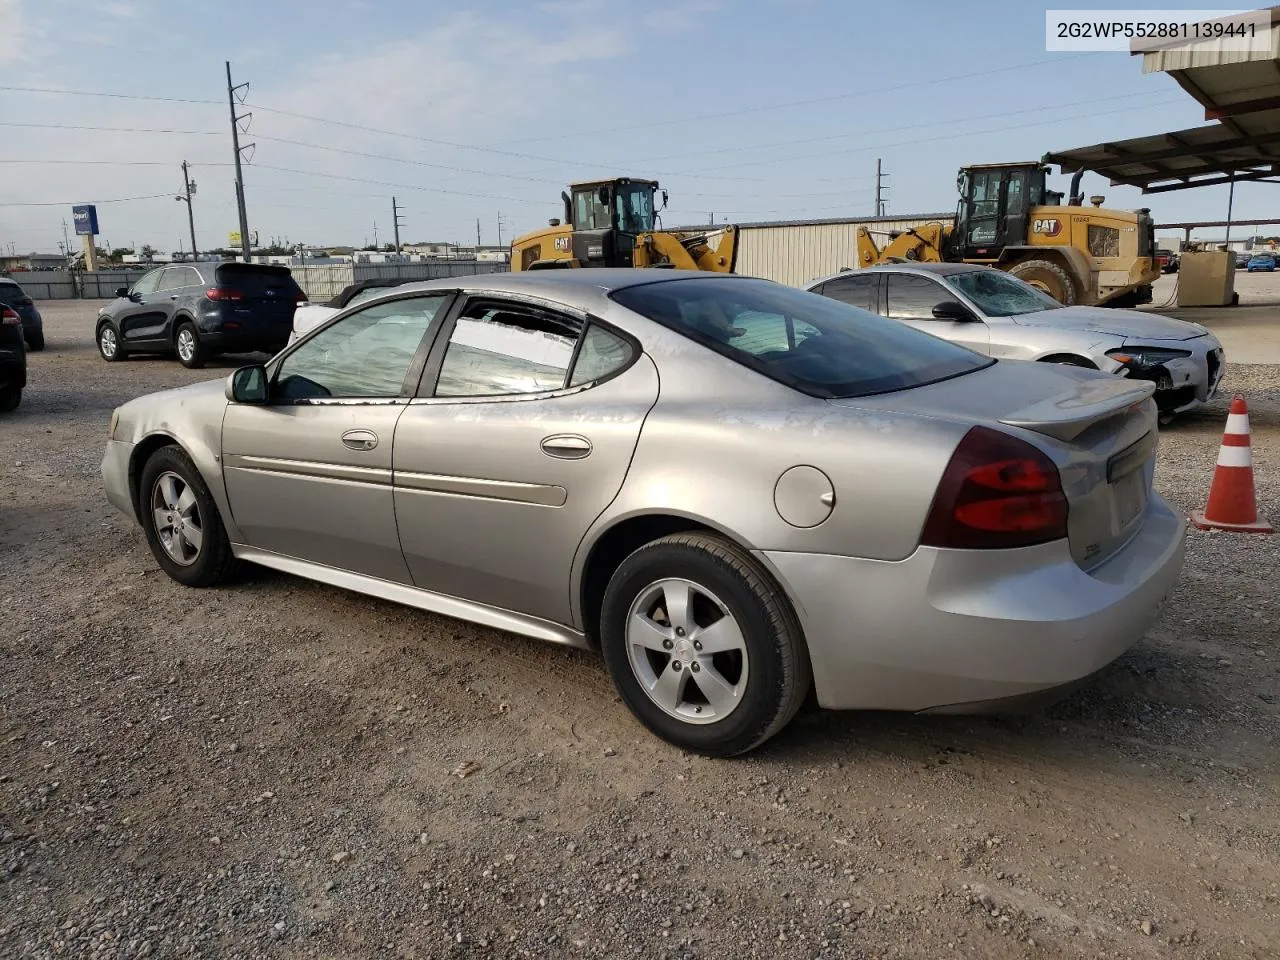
x=10 y=397
x=702 y=646
x=191 y=352
x=181 y=521
x=35 y=341
x=109 y=343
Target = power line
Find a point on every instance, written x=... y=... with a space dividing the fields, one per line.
x=800 y=103
x=115 y=163
x=68 y=203
x=93 y=93
x=70 y=126
x=910 y=126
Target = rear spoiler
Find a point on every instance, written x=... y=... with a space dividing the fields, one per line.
x=1071 y=413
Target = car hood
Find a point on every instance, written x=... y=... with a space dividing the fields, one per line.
x=1129 y=324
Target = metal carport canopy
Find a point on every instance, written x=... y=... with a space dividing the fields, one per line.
x=1240 y=89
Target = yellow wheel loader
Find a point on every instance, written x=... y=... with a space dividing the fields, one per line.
x=1008 y=218
x=611 y=223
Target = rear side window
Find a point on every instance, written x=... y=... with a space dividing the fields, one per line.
x=601 y=354
x=815 y=344
x=499 y=349
x=856 y=291
x=11 y=293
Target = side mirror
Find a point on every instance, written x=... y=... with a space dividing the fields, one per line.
x=248 y=384
x=122 y=291
x=953 y=310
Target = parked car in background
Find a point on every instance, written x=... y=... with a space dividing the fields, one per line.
x=733 y=488
x=997 y=314
x=199 y=310
x=13 y=359
x=1172 y=263
x=13 y=296
x=1261 y=262
x=1167 y=261
x=1242 y=259
x=308 y=316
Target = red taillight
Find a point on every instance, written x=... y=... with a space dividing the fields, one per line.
x=10 y=317
x=997 y=492
x=299 y=297
x=222 y=293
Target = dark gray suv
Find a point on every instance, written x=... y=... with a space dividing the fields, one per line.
x=14 y=297
x=198 y=310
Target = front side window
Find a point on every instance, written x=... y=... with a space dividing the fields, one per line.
x=814 y=344
x=147 y=284
x=367 y=354
x=999 y=295
x=498 y=349
x=913 y=297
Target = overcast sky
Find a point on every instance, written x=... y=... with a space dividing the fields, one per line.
x=759 y=110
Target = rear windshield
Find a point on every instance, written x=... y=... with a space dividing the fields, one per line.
x=10 y=293
x=817 y=345
x=253 y=279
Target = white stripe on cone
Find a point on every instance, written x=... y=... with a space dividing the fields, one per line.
x=1237 y=423
x=1235 y=457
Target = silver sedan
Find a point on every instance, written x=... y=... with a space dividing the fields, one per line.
x=735 y=490
x=997 y=314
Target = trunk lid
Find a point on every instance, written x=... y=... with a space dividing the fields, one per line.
x=1099 y=430
x=267 y=293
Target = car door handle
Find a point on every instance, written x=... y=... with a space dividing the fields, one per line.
x=566 y=446
x=174 y=297
x=360 y=439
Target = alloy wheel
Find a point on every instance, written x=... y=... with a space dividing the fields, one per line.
x=108 y=343
x=186 y=344
x=177 y=518
x=687 y=651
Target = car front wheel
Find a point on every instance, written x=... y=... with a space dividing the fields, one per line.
x=109 y=343
x=701 y=645
x=181 y=521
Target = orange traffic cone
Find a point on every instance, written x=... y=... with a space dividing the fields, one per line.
x=1232 y=502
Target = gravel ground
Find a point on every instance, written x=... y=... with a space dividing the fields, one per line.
x=282 y=769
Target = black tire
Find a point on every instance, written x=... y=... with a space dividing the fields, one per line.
x=119 y=352
x=199 y=354
x=10 y=397
x=1070 y=360
x=779 y=677
x=1049 y=277
x=35 y=341
x=213 y=561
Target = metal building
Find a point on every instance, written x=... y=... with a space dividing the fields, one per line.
x=797 y=251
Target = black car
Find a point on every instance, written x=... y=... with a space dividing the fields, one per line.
x=12 y=295
x=198 y=310
x=13 y=359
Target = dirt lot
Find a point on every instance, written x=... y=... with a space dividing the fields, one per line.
x=273 y=769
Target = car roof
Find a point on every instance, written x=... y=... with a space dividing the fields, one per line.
x=927 y=269
x=570 y=281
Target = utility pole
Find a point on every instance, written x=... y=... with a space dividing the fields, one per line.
x=66 y=244
x=499 y=228
x=375 y=234
x=882 y=201
x=235 y=146
x=397 y=219
x=477 y=236
x=188 y=188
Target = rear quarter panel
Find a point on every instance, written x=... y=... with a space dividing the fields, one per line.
x=720 y=436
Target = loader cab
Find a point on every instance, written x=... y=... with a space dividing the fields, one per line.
x=607 y=216
x=995 y=203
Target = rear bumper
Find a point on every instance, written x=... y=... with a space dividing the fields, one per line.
x=947 y=629
x=13 y=366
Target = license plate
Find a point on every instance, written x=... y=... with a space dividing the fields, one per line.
x=1129 y=497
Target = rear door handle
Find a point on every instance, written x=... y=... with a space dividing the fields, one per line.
x=566 y=446
x=174 y=297
x=360 y=439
